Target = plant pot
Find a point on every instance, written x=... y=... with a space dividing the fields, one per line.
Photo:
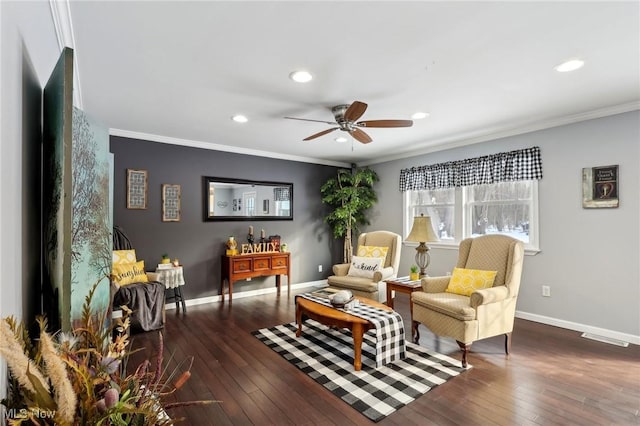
x=414 y=276
x=165 y=261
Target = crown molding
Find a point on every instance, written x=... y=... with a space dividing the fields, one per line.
x=485 y=135
x=436 y=145
x=61 y=16
x=224 y=148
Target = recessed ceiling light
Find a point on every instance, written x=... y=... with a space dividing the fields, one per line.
x=301 y=76
x=341 y=139
x=419 y=115
x=239 y=118
x=570 y=65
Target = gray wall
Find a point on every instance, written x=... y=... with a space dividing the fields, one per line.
x=590 y=258
x=199 y=244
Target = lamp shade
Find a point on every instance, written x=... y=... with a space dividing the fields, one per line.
x=422 y=230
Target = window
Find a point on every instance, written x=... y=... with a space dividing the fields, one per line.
x=249 y=199
x=508 y=208
x=437 y=203
x=492 y=194
x=283 y=208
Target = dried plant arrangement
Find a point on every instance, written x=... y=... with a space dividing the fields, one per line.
x=81 y=378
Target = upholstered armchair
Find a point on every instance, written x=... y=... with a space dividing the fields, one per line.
x=370 y=244
x=443 y=307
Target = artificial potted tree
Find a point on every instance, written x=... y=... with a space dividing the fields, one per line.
x=350 y=194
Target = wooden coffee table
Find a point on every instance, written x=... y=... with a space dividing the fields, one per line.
x=332 y=317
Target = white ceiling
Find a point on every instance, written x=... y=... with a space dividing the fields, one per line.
x=177 y=71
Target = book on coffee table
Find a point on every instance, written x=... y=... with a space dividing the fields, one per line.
x=324 y=293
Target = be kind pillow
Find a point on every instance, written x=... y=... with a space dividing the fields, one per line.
x=129 y=273
x=466 y=281
x=362 y=266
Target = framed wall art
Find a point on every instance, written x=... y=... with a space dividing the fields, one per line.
x=600 y=187
x=136 y=189
x=170 y=203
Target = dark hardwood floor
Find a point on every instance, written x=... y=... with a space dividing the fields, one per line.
x=553 y=376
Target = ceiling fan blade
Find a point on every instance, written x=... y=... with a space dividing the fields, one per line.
x=322 y=133
x=355 y=111
x=315 y=121
x=385 y=123
x=360 y=136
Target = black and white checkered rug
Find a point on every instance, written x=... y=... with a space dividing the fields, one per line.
x=326 y=355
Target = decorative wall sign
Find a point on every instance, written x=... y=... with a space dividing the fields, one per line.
x=170 y=203
x=600 y=187
x=136 y=189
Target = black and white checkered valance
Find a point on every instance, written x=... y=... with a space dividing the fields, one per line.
x=522 y=164
x=281 y=194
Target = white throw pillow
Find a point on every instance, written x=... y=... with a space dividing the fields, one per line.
x=364 y=266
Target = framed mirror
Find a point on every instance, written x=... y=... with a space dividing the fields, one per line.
x=240 y=199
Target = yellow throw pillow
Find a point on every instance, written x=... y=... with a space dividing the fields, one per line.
x=372 y=251
x=124 y=256
x=466 y=281
x=129 y=273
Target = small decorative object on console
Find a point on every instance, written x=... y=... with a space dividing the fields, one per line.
x=232 y=246
x=250 y=238
x=165 y=259
x=275 y=240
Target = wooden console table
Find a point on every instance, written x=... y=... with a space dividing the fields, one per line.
x=243 y=266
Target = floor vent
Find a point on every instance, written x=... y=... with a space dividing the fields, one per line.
x=605 y=339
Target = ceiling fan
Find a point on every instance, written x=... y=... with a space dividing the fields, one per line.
x=346 y=116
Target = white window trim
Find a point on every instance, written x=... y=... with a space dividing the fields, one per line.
x=531 y=248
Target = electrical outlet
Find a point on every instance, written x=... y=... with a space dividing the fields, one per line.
x=319 y=268
x=546 y=291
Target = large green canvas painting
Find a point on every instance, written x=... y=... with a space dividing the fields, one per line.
x=90 y=217
x=76 y=202
x=56 y=187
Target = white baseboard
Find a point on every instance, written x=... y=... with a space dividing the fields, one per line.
x=579 y=327
x=250 y=293
x=519 y=314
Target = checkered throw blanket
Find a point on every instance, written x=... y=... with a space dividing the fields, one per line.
x=389 y=329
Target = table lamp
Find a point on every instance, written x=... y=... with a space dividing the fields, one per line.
x=422 y=232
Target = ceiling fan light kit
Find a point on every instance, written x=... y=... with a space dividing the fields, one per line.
x=346 y=117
